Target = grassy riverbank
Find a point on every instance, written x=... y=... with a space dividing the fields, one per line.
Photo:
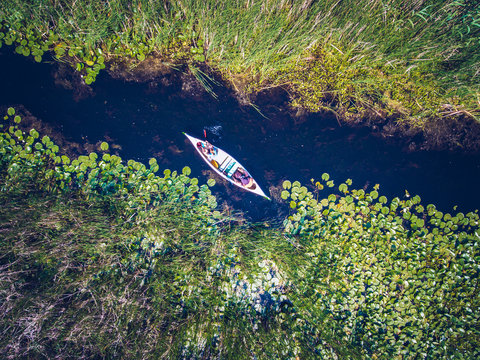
x=412 y=62
x=105 y=258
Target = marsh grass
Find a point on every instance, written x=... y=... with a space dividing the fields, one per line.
x=75 y=282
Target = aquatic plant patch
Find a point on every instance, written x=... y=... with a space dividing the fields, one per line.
x=399 y=277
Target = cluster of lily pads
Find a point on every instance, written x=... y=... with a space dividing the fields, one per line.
x=29 y=42
x=397 y=277
x=26 y=155
x=89 y=59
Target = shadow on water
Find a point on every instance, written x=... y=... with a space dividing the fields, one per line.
x=146 y=120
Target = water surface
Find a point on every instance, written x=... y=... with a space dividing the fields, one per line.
x=146 y=120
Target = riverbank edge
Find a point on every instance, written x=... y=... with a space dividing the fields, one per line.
x=457 y=132
x=297 y=89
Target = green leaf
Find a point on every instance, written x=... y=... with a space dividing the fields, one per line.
x=104 y=146
x=287 y=184
x=17 y=119
x=186 y=171
x=11 y=111
x=325 y=177
x=285 y=194
x=211 y=182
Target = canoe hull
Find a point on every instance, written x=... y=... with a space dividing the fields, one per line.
x=226 y=166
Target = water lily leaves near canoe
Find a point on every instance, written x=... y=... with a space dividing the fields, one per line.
x=152 y=162
x=186 y=171
x=211 y=182
x=287 y=184
x=104 y=146
x=285 y=194
x=17 y=119
x=11 y=111
x=325 y=177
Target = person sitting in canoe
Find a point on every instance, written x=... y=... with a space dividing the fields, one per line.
x=242 y=177
x=207 y=148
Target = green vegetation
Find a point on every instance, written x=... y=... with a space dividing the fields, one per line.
x=409 y=61
x=101 y=258
x=399 y=278
x=105 y=259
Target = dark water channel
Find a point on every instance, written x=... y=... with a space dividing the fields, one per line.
x=147 y=119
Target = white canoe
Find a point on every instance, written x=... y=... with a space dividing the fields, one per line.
x=226 y=166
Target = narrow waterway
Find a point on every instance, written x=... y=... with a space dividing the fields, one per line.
x=144 y=120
